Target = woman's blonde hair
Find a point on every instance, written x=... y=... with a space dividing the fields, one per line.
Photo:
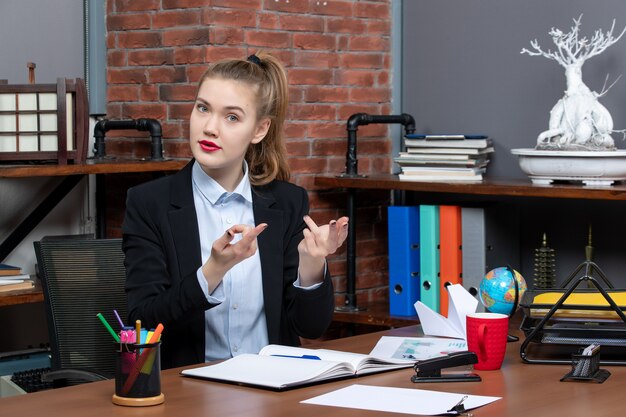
x=267 y=160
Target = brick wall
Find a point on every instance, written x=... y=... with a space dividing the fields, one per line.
x=337 y=55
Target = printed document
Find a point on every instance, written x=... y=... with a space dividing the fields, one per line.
x=399 y=400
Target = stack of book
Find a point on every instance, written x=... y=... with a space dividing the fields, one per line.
x=444 y=157
x=12 y=279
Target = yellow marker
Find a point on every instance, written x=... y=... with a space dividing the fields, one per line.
x=153 y=337
x=138 y=331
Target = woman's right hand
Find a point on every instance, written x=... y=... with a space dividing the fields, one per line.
x=225 y=255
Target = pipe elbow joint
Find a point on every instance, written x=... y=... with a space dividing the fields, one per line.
x=358 y=119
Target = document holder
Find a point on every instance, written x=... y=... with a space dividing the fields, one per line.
x=430 y=370
x=558 y=321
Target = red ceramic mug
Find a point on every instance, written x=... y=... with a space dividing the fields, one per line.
x=486 y=336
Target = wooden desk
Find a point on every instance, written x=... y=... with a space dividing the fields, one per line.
x=527 y=390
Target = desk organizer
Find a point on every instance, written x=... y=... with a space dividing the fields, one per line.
x=586 y=368
x=138 y=375
x=558 y=321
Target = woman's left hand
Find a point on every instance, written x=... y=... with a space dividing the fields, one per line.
x=319 y=242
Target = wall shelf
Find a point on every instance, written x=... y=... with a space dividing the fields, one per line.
x=374 y=314
x=518 y=188
x=73 y=173
x=31 y=295
x=108 y=166
x=495 y=187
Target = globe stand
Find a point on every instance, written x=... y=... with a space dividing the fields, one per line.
x=510 y=337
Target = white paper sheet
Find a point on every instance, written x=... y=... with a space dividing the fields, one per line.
x=10 y=281
x=398 y=400
x=416 y=348
x=461 y=303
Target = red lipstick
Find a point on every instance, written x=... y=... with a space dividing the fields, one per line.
x=209 y=146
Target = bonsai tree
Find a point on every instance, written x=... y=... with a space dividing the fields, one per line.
x=578 y=121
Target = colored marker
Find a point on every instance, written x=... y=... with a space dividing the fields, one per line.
x=147 y=367
x=156 y=335
x=138 y=331
x=127 y=335
x=119 y=320
x=108 y=327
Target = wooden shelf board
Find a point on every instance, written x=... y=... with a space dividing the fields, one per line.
x=489 y=187
x=32 y=295
x=374 y=313
x=108 y=166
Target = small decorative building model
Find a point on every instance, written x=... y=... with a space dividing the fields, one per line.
x=43 y=122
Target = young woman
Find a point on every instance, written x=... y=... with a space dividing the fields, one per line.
x=223 y=253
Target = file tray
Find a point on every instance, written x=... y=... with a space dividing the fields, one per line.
x=558 y=321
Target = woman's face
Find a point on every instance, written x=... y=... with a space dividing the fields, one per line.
x=223 y=124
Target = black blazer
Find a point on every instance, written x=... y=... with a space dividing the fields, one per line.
x=162 y=254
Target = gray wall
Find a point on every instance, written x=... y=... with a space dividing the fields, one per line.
x=48 y=33
x=463 y=71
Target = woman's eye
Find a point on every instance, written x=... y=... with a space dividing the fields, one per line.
x=201 y=107
x=232 y=118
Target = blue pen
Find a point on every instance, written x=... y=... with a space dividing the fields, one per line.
x=313 y=357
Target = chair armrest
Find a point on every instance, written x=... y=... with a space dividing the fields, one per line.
x=74 y=373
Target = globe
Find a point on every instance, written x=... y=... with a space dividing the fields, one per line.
x=497 y=290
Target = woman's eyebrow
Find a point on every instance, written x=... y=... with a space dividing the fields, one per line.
x=229 y=108
x=236 y=108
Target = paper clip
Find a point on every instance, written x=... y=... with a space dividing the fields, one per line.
x=459 y=408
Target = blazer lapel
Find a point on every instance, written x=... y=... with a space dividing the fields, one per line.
x=270 y=244
x=184 y=228
x=184 y=223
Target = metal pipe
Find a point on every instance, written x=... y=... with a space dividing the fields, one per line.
x=361 y=119
x=354 y=121
x=151 y=125
x=350 y=301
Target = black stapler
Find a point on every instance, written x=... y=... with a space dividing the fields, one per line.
x=430 y=370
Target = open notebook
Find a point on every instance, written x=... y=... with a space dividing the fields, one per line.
x=281 y=367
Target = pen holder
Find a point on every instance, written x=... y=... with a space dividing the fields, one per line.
x=138 y=375
x=586 y=368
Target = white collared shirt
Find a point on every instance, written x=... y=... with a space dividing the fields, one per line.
x=236 y=324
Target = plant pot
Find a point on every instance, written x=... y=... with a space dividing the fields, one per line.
x=601 y=168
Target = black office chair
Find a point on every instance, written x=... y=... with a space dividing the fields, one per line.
x=81 y=278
